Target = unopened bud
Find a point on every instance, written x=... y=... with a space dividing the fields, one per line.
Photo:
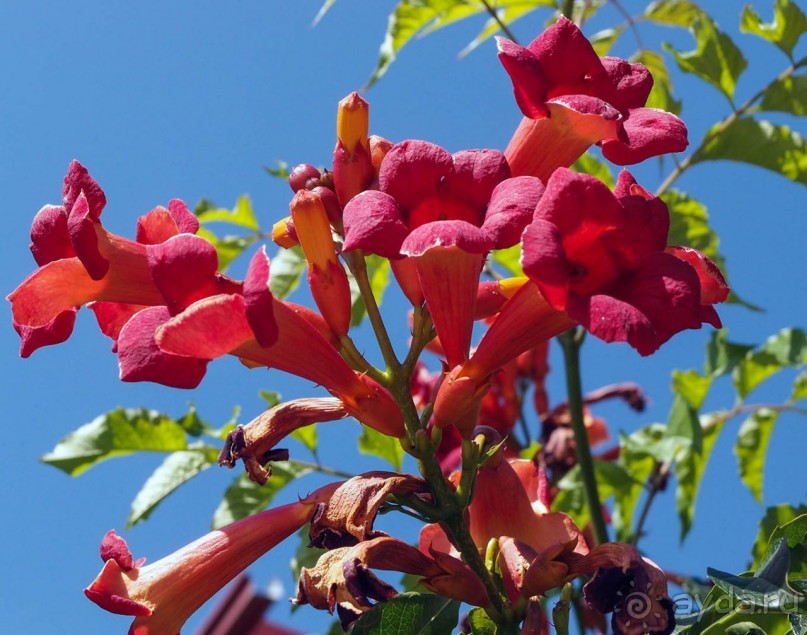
x=353 y=122
x=330 y=203
x=304 y=177
x=283 y=233
x=326 y=276
x=379 y=147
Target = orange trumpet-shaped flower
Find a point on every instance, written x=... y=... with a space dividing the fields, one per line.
x=163 y=595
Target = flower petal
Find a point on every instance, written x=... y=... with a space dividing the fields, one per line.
x=630 y=84
x=50 y=239
x=647 y=132
x=373 y=223
x=475 y=175
x=413 y=170
x=511 y=207
x=525 y=72
x=141 y=359
x=544 y=261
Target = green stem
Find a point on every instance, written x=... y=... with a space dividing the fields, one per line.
x=316 y=467
x=567 y=9
x=358 y=267
x=353 y=356
x=571 y=341
x=721 y=127
x=656 y=481
x=495 y=15
x=560 y=612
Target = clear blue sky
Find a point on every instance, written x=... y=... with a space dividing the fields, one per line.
x=190 y=100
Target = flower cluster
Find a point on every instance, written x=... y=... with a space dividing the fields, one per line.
x=592 y=258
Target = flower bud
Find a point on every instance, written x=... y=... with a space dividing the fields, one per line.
x=379 y=147
x=304 y=177
x=352 y=165
x=283 y=233
x=326 y=277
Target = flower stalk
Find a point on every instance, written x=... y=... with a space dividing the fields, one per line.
x=571 y=341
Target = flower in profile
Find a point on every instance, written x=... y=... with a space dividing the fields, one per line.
x=571 y=99
x=603 y=258
x=631 y=586
x=533 y=541
x=161 y=596
x=262 y=330
x=436 y=216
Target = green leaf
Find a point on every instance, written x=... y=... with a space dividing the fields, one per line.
x=745 y=628
x=788 y=25
x=307 y=436
x=380 y=445
x=760 y=143
x=689 y=225
x=722 y=356
x=589 y=164
x=285 y=271
x=689 y=473
x=799 y=387
x=411 y=17
x=798 y=623
x=194 y=425
x=116 y=433
x=774 y=518
x=241 y=215
x=794 y=534
x=716 y=59
x=786 y=348
x=176 y=469
x=604 y=40
x=661 y=95
x=271 y=397
x=612 y=479
x=751 y=447
x=228 y=248
x=410 y=614
x=636 y=460
x=244 y=498
x=755 y=591
x=684 y=426
x=692 y=386
x=280 y=171
x=674 y=13
x=787 y=95
x=378 y=269
x=510 y=259
x=480 y=623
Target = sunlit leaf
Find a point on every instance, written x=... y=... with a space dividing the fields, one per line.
x=689 y=473
x=788 y=25
x=754 y=590
x=794 y=533
x=635 y=459
x=751 y=448
x=116 y=433
x=799 y=387
x=280 y=171
x=661 y=96
x=271 y=397
x=760 y=143
x=684 y=426
x=178 y=468
x=787 y=95
x=480 y=623
x=306 y=435
x=380 y=445
x=786 y=348
x=722 y=356
x=692 y=386
x=510 y=259
x=602 y=41
x=689 y=225
x=612 y=479
x=674 y=12
x=241 y=215
x=378 y=269
x=421 y=613
x=285 y=271
x=411 y=17
x=589 y=164
x=716 y=59
x=228 y=248
x=244 y=497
